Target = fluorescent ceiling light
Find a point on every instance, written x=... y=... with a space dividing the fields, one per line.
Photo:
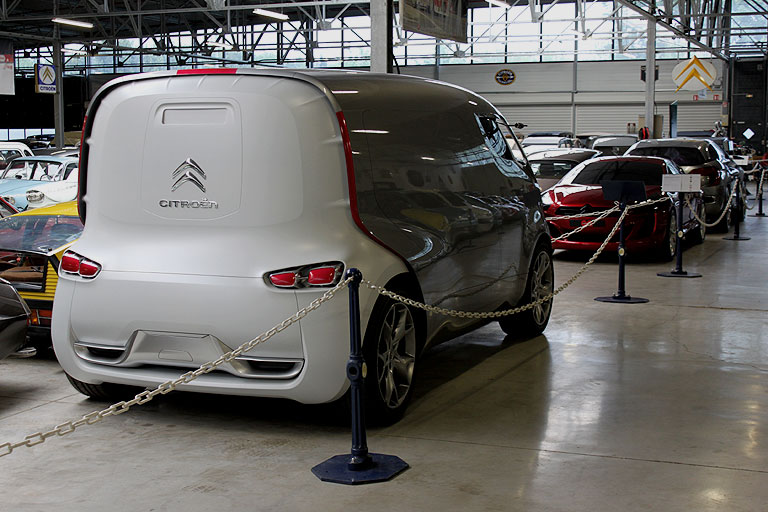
x=371 y=131
x=499 y=3
x=345 y=92
x=73 y=23
x=76 y=52
x=271 y=14
x=219 y=44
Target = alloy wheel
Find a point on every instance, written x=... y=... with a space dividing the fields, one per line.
x=396 y=355
x=542 y=283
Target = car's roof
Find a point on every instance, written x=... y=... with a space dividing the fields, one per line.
x=629 y=158
x=671 y=143
x=68 y=209
x=54 y=159
x=576 y=155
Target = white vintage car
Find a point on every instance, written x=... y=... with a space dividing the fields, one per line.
x=61 y=189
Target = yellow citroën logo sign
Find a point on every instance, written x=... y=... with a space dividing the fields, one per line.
x=694 y=74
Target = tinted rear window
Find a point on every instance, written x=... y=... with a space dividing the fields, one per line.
x=679 y=155
x=552 y=169
x=613 y=170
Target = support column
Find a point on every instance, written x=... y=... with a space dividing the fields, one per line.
x=58 y=98
x=381 y=36
x=650 y=76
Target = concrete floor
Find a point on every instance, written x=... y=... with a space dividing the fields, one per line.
x=659 y=406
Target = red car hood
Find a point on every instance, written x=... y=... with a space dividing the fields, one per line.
x=580 y=195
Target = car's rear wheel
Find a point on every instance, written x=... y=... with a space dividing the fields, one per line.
x=540 y=283
x=105 y=391
x=389 y=349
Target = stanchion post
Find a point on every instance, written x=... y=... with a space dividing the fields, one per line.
x=678 y=270
x=623 y=191
x=359 y=466
x=737 y=222
x=760 y=196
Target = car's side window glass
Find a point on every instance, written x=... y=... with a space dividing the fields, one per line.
x=498 y=145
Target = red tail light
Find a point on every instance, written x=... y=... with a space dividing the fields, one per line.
x=710 y=176
x=323 y=274
x=283 y=279
x=74 y=264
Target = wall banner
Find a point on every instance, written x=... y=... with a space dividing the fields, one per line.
x=441 y=19
x=6 y=67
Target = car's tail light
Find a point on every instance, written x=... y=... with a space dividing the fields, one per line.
x=74 y=264
x=283 y=279
x=320 y=274
x=710 y=176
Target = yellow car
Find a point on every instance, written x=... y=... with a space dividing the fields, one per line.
x=31 y=245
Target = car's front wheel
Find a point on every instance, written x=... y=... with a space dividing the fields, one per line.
x=389 y=349
x=540 y=283
x=668 y=248
x=699 y=233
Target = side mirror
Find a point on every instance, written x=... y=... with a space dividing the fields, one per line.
x=14 y=313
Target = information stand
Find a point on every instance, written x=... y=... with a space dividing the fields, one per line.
x=680 y=184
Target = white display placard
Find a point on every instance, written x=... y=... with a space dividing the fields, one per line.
x=681 y=183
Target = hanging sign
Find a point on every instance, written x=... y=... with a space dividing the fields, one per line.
x=692 y=74
x=441 y=19
x=6 y=67
x=45 y=78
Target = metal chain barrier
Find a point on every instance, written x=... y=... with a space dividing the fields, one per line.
x=758 y=189
x=168 y=386
x=497 y=314
x=585 y=225
x=602 y=216
x=580 y=215
x=722 y=215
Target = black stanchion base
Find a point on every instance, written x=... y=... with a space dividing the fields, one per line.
x=625 y=299
x=674 y=273
x=737 y=238
x=383 y=468
x=758 y=215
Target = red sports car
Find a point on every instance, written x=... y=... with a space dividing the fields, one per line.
x=648 y=228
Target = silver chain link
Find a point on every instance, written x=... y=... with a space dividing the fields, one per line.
x=497 y=314
x=166 y=387
x=723 y=214
x=758 y=190
x=602 y=216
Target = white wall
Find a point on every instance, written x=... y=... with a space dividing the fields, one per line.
x=608 y=94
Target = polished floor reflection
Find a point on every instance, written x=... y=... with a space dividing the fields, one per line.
x=659 y=406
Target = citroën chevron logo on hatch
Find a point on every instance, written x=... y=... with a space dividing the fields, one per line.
x=189 y=171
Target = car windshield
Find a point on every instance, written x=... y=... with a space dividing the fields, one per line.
x=7 y=154
x=38 y=233
x=34 y=170
x=682 y=156
x=552 y=168
x=618 y=170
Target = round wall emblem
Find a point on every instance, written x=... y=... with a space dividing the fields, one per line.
x=505 y=76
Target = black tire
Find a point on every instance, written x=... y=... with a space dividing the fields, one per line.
x=699 y=234
x=390 y=348
x=105 y=392
x=668 y=248
x=540 y=282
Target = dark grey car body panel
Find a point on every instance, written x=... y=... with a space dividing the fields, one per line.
x=413 y=139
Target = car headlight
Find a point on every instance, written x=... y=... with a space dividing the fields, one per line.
x=9 y=199
x=35 y=195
